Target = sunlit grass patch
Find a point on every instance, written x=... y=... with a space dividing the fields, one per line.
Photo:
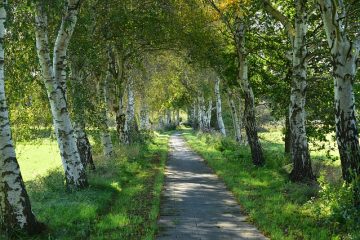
x=122 y=201
x=37 y=158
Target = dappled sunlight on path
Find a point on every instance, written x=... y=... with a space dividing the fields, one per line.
x=196 y=204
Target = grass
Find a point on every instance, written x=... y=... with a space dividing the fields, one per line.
x=37 y=159
x=281 y=209
x=122 y=201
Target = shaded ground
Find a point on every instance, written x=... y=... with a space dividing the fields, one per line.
x=196 y=204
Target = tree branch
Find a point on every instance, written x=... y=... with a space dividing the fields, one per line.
x=280 y=17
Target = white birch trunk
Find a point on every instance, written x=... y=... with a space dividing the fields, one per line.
x=15 y=207
x=130 y=112
x=249 y=112
x=78 y=97
x=144 y=115
x=108 y=150
x=54 y=79
x=208 y=116
x=235 y=117
x=168 y=117
x=345 y=56
x=193 y=116
x=219 y=117
x=201 y=112
x=302 y=170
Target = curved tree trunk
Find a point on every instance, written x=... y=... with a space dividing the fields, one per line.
x=302 y=170
x=345 y=56
x=219 y=117
x=249 y=112
x=54 y=77
x=15 y=207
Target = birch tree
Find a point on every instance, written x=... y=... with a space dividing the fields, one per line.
x=302 y=169
x=78 y=95
x=106 y=141
x=219 y=117
x=130 y=122
x=54 y=77
x=344 y=50
x=15 y=207
x=235 y=116
x=238 y=26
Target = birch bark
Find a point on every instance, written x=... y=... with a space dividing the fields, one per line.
x=144 y=115
x=345 y=57
x=235 y=117
x=130 y=124
x=78 y=99
x=249 y=112
x=194 y=119
x=219 y=117
x=15 y=207
x=302 y=170
x=208 y=112
x=104 y=127
x=300 y=156
x=201 y=112
x=54 y=77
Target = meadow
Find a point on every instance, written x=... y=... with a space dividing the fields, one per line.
x=122 y=201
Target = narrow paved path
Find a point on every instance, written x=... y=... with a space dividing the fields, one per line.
x=196 y=204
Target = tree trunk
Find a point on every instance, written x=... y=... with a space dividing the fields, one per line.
x=235 y=117
x=287 y=138
x=161 y=123
x=220 y=120
x=345 y=55
x=302 y=170
x=144 y=115
x=120 y=119
x=83 y=145
x=79 y=98
x=201 y=113
x=177 y=117
x=15 y=207
x=168 y=117
x=104 y=126
x=54 y=77
x=249 y=112
x=194 y=120
x=130 y=123
x=207 y=119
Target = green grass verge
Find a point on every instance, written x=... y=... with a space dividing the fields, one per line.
x=281 y=209
x=122 y=202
